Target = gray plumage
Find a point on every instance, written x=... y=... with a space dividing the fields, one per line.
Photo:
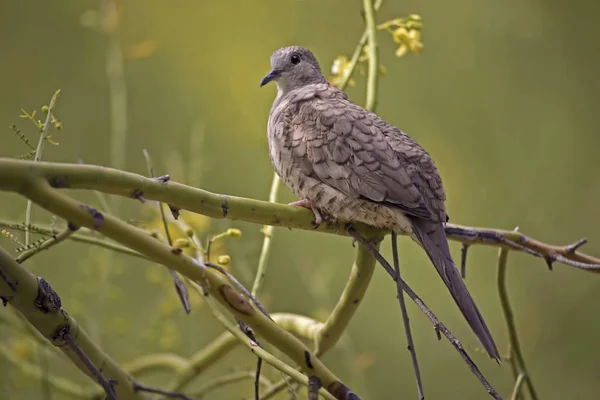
x=353 y=166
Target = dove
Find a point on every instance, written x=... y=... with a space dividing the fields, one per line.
x=348 y=164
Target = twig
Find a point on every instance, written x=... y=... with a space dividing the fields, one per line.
x=257 y=350
x=182 y=292
x=257 y=379
x=437 y=324
x=517 y=388
x=45 y=245
x=314 y=384
x=204 y=358
x=227 y=379
x=59 y=384
x=240 y=287
x=516 y=356
x=107 y=384
x=138 y=387
x=38 y=156
x=405 y=319
x=82 y=236
x=373 y=51
x=267 y=230
x=156 y=362
x=349 y=71
x=464 y=248
x=514 y=240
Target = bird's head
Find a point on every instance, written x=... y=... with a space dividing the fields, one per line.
x=293 y=67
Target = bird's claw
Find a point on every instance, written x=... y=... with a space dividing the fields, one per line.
x=308 y=204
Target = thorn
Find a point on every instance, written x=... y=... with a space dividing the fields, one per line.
x=573 y=247
x=549 y=260
x=174 y=211
x=437 y=332
x=163 y=178
x=176 y=250
x=463 y=260
x=139 y=195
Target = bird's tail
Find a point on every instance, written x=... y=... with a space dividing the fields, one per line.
x=432 y=238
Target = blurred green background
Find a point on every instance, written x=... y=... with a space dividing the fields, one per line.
x=505 y=97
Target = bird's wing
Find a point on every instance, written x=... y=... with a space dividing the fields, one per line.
x=358 y=153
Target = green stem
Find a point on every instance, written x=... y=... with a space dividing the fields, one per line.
x=45 y=245
x=357 y=52
x=38 y=156
x=517 y=388
x=59 y=384
x=229 y=379
x=203 y=359
x=267 y=230
x=154 y=363
x=373 y=51
x=354 y=292
x=516 y=357
x=117 y=91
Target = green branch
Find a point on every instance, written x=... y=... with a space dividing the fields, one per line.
x=267 y=230
x=203 y=359
x=215 y=284
x=38 y=303
x=38 y=156
x=15 y=175
x=61 y=385
x=516 y=356
x=373 y=52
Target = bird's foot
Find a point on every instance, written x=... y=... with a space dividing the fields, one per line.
x=309 y=204
x=350 y=227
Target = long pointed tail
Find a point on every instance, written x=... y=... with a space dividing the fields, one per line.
x=432 y=238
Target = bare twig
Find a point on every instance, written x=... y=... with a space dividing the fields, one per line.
x=463 y=260
x=138 y=387
x=107 y=384
x=514 y=240
x=179 y=286
x=516 y=356
x=314 y=384
x=257 y=379
x=437 y=324
x=405 y=319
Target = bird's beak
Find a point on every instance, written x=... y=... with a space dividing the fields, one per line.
x=269 y=77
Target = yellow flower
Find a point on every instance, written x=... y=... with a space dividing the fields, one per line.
x=409 y=39
x=339 y=68
x=406 y=32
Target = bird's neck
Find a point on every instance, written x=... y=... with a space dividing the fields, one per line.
x=284 y=87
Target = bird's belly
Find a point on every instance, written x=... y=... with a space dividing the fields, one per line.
x=329 y=200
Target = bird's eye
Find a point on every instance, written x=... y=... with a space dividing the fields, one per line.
x=295 y=58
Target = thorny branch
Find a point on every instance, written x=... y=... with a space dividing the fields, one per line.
x=180 y=288
x=515 y=355
x=405 y=319
x=437 y=324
